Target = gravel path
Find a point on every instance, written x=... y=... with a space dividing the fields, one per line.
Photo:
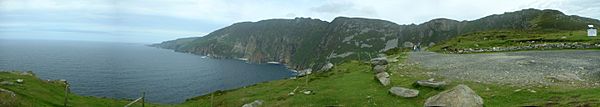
x=516 y=68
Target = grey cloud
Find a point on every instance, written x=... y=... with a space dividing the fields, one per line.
x=587 y=8
x=290 y=15
x=344 y=7
x=333 y=8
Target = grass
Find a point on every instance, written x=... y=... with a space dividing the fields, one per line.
x=507 y=38
x=34 y=92
x=349 y=84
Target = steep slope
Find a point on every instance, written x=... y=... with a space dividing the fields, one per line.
x=34 y=92
x=308 y=43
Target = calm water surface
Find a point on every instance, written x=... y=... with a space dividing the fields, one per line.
x=123 y=70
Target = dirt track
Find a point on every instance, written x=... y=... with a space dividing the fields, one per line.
x=515 y=68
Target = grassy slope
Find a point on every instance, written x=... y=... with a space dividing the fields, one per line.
x=39 y=93
x=348 y=84
x=506 y=38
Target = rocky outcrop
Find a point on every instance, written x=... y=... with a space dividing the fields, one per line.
x=255 y=103
x=404 y=92
x=459 y=96
x=12 y=94
x=7 y=83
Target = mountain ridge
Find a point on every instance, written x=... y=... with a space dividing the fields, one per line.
x=303 y=43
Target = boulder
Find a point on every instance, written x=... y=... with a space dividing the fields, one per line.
x=379 y=61
x=256 y=103
x=327 y=67
x=404 y=92
x=12 y=94
x=459 y=96
x=7 y=83
x=20 y=81
x=307 y=92
x=431 y=83
x=379 y=68
x=384 y=78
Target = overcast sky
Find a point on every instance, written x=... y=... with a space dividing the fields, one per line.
x=152 y=21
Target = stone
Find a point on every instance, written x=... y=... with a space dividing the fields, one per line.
x=19 y=81
x=379 y=61
x=307 y=92
x=404 y=92
x=566 y=77
x=384 y=78
x=327 y=67
x=256 y=103
x=12 y=94
x=431 y=83
x=459 y=96
x=379 y=68
x=7 y=83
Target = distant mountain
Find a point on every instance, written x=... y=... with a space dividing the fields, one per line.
x=304 y=43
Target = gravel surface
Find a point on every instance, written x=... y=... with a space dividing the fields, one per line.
x=516 y=68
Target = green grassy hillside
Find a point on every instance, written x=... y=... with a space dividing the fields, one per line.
x=34 y=92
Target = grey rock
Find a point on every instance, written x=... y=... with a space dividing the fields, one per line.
x=384 y=78
x=404 y=92
x=12 y=94
x=379 y=61
x=304 y=72
x=431 y=83
x=379 y=68
x=390 y=44
x=307 y=92
x=7 y=83
x=20 y=81
x=256 y=103
x=327 y=67
x=459 y=96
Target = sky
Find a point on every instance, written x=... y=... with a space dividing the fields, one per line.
x=153 y=21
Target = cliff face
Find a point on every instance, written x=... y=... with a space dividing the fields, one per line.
x=308 y=43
